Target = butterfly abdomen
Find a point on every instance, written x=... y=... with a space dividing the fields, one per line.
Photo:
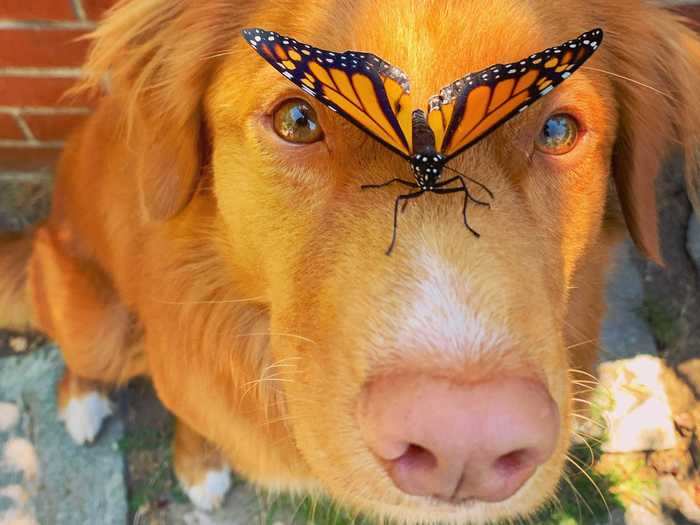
x=427 y=163
x=423 y=136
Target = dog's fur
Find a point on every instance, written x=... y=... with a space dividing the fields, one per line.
x=247 y=277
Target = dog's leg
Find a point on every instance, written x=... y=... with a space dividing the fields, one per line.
x=200 y=467
x=75 y=304
x=83 y=406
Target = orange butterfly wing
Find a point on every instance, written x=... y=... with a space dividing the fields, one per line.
x=362 y=87
x=471 y=108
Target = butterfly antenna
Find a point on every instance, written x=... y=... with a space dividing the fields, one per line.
x=482 y=186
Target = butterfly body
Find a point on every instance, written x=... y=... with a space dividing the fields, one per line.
x=427 y=163
x=375 y=96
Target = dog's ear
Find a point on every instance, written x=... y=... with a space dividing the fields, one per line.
x=168 y=167
x=656 y=72
x=158 y=57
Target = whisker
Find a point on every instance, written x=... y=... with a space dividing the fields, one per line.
x=590 y=449
x=595 y=485
x=585 y=402
x=602 y=427
x=633 y=81
x=585 y=382
x=223 y=301
x=579 y=498
x=600 y=349
x=588 y=437
x=278 y=334
x=583 y=373
x=582 y=343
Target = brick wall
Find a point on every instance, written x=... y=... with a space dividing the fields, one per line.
x=40 y=56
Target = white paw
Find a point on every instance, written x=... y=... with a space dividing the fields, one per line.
x=83 y=416
x=210 y=492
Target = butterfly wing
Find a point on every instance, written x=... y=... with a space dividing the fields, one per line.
x=363 y=88
x=471 y=108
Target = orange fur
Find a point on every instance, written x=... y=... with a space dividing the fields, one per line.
x=248 y=278
x=15 y=251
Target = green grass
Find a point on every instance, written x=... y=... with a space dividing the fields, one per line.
x=153 y=485
x=663 y=324
x=583 y=498
x=307 y=510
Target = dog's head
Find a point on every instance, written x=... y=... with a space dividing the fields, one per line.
x=432 y=384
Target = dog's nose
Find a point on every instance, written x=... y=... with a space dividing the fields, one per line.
x=459 y=442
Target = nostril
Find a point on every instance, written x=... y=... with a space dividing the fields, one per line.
x=514 y=462
x=436 y=438
x=416 y=458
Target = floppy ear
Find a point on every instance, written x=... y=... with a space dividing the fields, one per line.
x=158 y=56
x=168 y=167
x=657 y=74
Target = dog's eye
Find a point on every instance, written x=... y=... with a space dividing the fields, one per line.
x=296 y=121
x=559 y=135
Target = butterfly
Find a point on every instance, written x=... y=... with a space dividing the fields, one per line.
x=375 y=96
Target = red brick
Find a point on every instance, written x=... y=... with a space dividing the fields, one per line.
x=52 y=127
x=27 y=159
x=9 y=129
x=36 y=10
x=94 y=9
x=41 y=48
x=38 y=91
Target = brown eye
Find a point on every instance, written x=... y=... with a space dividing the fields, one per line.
x=559 y=135
x=296 y=121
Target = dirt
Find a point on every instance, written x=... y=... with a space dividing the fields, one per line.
x=146 y=445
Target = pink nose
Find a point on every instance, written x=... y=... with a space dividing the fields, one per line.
x=459 y=442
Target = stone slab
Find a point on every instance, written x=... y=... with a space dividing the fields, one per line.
x=44 y=477
x=639 y=418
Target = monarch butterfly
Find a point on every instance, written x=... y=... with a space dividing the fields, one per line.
x=375 y=96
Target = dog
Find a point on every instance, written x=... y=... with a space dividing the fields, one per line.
x=246 y=274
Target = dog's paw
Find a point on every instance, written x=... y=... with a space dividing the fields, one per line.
x=210 y=492
x=83 y=416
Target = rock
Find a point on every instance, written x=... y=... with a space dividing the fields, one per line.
x=694 y=239
x=19 y=344
x=640 y=515
x=45 y=477
x=9 y=416
x=675 y=497
x=685 y=423
x=25 y=198
x=625 y=333
x=676 y=463
x=640 y=417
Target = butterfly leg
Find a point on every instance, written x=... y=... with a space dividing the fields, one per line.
x=400 y=198
x=461 y=178
x=388 y=183
x=467 y=196
x=482 y=186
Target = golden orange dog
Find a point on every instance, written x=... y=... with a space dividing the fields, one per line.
x=246 y=274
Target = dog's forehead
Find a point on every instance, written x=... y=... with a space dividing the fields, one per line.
x=434 y=41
